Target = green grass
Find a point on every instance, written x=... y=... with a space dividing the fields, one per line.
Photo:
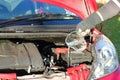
x=112 y=30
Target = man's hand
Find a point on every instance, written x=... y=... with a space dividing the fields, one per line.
x=83 y=33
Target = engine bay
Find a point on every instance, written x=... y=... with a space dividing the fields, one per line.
x=41 y=57
x=45 y=55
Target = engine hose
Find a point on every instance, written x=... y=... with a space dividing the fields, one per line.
x=107 y=11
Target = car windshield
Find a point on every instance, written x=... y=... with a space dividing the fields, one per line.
x=14 y=8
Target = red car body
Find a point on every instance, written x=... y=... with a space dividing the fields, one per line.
x=78 y=8
x=83 y=11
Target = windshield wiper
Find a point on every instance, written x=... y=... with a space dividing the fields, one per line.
x=40 y=17
x=21 y=18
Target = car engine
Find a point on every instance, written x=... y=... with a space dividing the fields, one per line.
x=45 y=57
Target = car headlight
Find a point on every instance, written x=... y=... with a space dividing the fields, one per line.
x=107 y=61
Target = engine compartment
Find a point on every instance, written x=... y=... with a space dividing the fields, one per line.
x=45 y=56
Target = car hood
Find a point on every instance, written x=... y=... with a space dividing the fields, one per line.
x=82 y=8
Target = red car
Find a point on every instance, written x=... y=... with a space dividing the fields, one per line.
x=34 y=36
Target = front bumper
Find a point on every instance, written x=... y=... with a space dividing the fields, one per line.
x=113 y=76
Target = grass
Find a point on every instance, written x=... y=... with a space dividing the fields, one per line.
x=112 y=30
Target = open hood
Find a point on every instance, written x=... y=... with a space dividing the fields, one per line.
x=82 y=8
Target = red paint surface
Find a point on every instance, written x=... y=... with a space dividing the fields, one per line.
x=80 y=72
x=76 y=6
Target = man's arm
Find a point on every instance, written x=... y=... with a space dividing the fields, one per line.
x=109 y=10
